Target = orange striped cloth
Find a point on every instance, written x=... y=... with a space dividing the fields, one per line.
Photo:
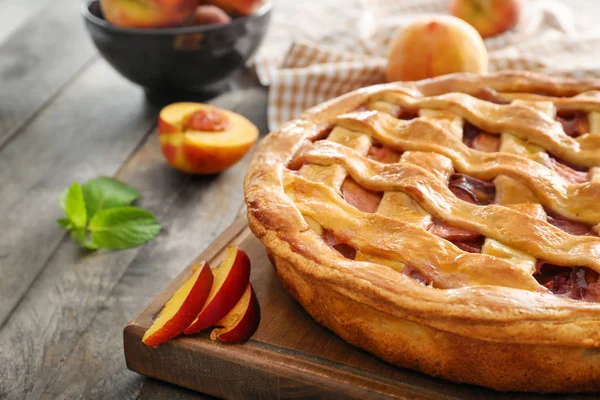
x=319 y=49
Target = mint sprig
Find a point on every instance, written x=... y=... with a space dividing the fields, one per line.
x=98 y=214
x=103 y=193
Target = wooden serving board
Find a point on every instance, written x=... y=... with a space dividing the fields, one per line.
x=290 y=355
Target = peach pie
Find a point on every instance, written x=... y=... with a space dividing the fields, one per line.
x=448 y=225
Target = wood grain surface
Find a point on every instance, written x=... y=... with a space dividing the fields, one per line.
x=65 y=115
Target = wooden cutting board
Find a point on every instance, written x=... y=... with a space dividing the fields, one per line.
x=290 y=355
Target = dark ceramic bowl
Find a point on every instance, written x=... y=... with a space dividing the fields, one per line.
x=181 y=59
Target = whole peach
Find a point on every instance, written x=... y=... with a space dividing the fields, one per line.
x=488 y=17
x=435 y=46
x=148 y=13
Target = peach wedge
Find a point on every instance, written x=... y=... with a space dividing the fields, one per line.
x=241 y=322
x=231 y=280
x=182 y=308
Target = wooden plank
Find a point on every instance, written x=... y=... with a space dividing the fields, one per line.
x=77 y=307
x=38 y=59
x=89 y=130
x=15 y=13
x=290 y=356
x=157 y=390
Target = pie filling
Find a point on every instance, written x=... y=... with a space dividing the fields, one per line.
x=406 y=113
x=472 y=190
x=571 y=227
x=577 y=283
x=575 y=123
x=359 y=197
x=453 y=233
x=338 y=244
x=569 y=172
x=479 y=139
x=489 y=94
x=383 y=154
x=422 y=272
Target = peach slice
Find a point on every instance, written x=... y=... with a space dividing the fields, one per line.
x=203 y=139
x=241 y=322
x=182 y=308
x=241 y=7
x=148 y=13
x=231 y=279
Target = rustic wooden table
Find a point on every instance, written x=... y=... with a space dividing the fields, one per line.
x=66 y=115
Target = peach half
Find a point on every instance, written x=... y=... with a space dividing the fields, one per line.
x=231 y=280
x=203 y=139
x=241 y=322
x=182 y=308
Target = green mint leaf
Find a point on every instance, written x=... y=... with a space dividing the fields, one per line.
x=64 y=223
x=122 y=227
x=73 y=205
x=104 y=192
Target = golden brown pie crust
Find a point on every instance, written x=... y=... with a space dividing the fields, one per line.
x=486 y=321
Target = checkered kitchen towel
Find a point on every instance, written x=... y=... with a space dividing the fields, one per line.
x=319 y=49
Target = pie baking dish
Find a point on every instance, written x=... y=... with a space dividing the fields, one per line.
x=448 y=225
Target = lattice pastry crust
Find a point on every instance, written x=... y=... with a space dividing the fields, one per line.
x=448 y=225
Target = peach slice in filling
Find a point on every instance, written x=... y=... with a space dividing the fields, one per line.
x=489 y=94
x=571 y=227
x=383 y=154
x=406 y=113
x=568 y=172
x=359 y=197
x=575 y=123
x=479 y=139
x=453 y=233
x=337 y=242
x=421 y=272
x=577 y=283
x=472 y=190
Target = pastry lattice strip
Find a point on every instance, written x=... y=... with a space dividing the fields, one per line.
x=574 y=201
x=521 y=121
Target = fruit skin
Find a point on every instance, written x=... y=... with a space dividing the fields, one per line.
x=435 y=46
x=148 y=13
x=210 y=15
x=203 y=152
x=241 y=322
x=231 y=280
x=184 y=307
x=241 y=7
x=488 y=17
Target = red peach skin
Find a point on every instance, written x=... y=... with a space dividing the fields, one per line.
x=241 y=322
x=230 y=282
x=182 y=308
